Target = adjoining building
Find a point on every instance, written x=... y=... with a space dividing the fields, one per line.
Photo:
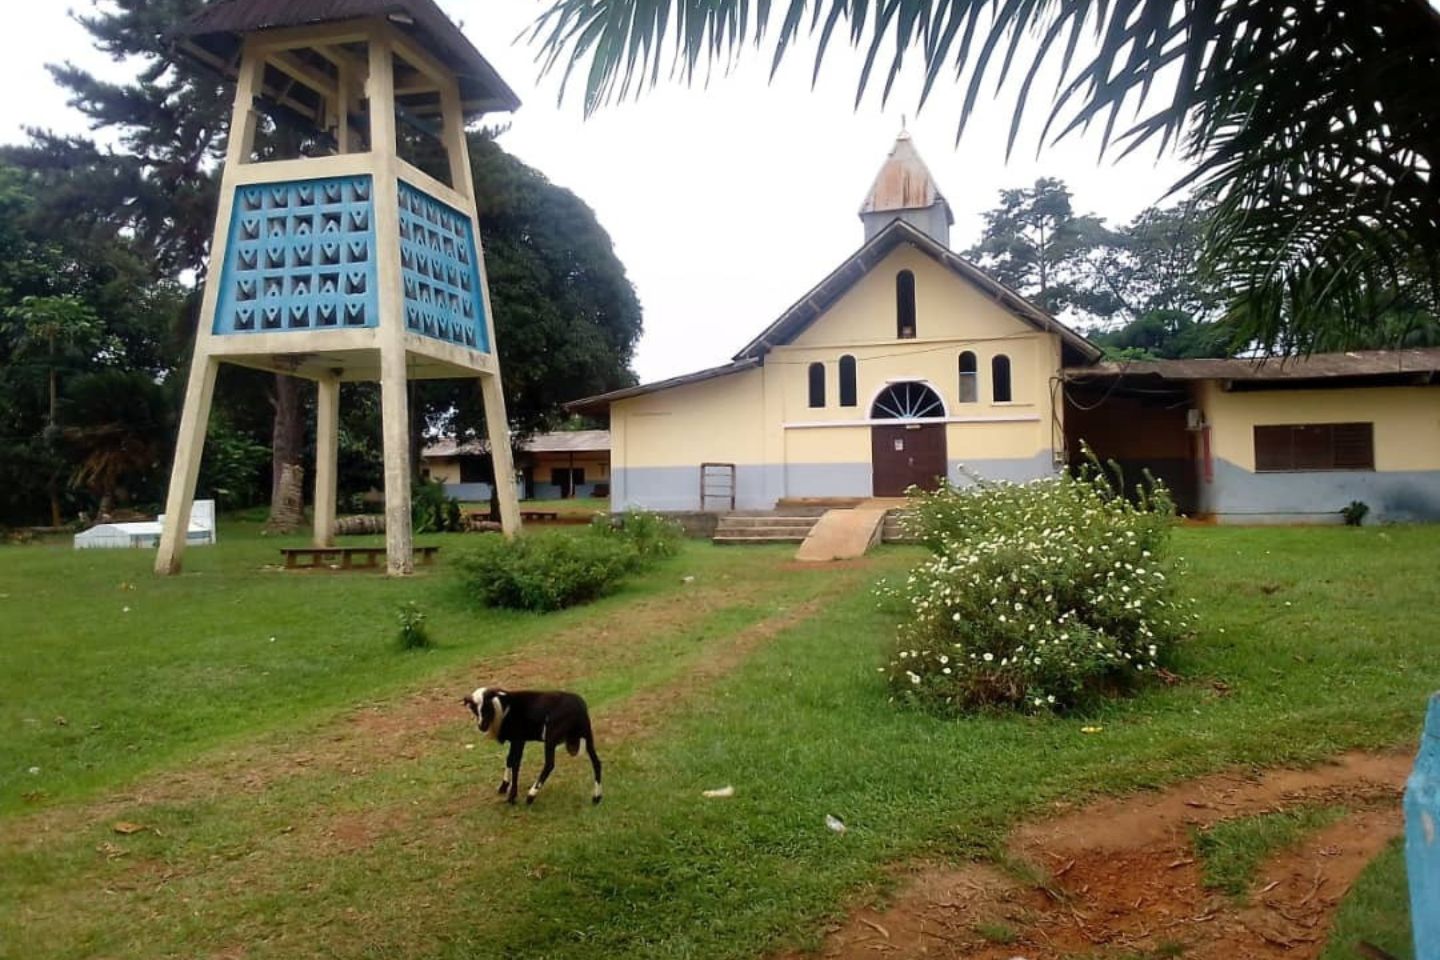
x=910 y=365
x=552 y=466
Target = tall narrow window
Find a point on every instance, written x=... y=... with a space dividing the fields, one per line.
x=969 y=378
x=817 y=384
x=905 y=305
x=1000 y=377
x=847 y=381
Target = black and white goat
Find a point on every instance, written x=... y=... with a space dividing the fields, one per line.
x=548 y=717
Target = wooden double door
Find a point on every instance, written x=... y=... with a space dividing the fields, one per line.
x=905 y=455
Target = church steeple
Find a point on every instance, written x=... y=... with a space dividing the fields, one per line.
x=904 y=190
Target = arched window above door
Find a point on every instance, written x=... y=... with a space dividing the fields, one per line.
x=907 y=401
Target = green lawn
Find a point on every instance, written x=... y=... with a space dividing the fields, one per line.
x=1376 y=911
x=1321 y=637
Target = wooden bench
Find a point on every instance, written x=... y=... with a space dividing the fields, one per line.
x=539 y=515
x=316 y=558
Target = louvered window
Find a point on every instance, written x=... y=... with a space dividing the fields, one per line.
x=1316 y=446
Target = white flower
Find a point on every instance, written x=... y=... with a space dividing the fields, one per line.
x=989 y=657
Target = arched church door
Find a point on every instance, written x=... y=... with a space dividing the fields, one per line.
x=911 y=451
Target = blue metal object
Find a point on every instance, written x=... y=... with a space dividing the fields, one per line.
x=301 y=257
x=440 y=269
x=1422 y=838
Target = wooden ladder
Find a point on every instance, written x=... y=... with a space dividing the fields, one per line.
x=717 y=482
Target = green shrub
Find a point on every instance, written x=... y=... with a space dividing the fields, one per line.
x=654 y=537
x=547 y=571
x=1038 y=596
x=1355 y=512
x=413 y=633
x=432 y=510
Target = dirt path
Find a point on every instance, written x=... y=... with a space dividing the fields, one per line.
x=1121 y=878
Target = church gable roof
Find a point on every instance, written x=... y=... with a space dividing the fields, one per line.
x=817 y=301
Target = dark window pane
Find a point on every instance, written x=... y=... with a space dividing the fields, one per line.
x=847 y=381
x=1000 y=377
x=1354 y=446
x=1320 y=446
x=817 y=384
x=905 y=305
x=1273 y=449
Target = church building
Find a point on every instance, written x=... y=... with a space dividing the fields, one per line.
x=909 y=365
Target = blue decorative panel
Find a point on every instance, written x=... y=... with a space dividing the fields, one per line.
x=301 y=257
x=440 y=267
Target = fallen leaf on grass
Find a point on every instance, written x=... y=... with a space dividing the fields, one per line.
x=719 y=794
x=126 y=828
x=834 y=823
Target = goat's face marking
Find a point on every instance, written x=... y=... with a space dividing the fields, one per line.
x=489 y=707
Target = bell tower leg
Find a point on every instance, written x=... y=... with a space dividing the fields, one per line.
x=395 y=413
x=189 y=448
x=497 y=428
x=327 y=455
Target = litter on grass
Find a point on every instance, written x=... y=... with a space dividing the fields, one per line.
x=718 y=794
x=834 y=823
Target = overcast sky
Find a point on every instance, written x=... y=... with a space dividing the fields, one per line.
x=726 y=202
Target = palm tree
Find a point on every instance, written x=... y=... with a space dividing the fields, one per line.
x=1311 y=126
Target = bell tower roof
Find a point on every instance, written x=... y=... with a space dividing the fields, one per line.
x=905 y=190
x=213 y=36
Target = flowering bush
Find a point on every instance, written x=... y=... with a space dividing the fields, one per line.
x=654 y=537
x=1039 y=595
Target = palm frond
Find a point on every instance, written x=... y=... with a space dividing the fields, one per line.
x=1312 y=126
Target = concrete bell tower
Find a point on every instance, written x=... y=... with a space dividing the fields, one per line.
x=904 y=190
x=358 y=258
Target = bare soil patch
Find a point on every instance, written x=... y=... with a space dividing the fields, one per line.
x=1121 y=877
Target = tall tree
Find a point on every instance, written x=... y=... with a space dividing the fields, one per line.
x=71 y=307
x=160 y=186
x=1034 y=243
x=1311 y=126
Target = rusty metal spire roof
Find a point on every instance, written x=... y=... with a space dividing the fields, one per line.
x=904 y=182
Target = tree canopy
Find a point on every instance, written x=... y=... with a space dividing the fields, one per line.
x=1311 y=127
x=101 y=248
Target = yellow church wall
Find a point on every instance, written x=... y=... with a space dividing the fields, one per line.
x=946 y=307
x=1407 y=420
x=715 y=420
x=762 y=421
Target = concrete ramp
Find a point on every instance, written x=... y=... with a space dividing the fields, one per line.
x=843 y=534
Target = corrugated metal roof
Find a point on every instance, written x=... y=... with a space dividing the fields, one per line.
x=562 y=441
x=904 y=182
x=600 y=402
x=226 y=19
x=570 y=441
x=1316 y=366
